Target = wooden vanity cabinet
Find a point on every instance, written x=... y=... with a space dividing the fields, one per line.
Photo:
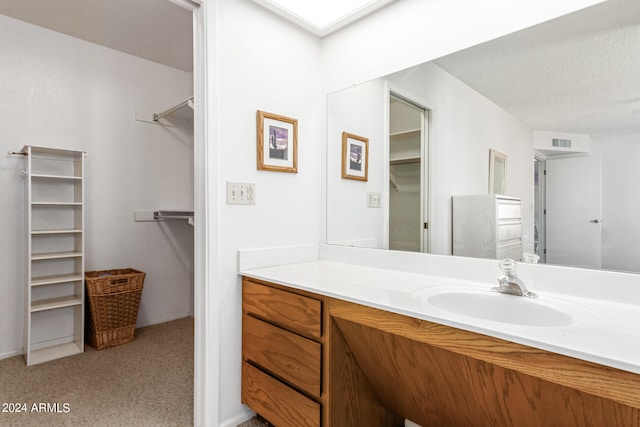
x=310 y=360
x=281 y=354
x=436 y=375
x=297 y=370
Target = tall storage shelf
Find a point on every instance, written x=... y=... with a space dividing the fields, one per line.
x=54 y=303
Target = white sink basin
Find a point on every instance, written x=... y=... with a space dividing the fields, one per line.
x=499 y=307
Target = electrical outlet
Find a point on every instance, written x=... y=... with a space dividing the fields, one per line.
x=373 y=200
x=241 y=193
x=251 y=194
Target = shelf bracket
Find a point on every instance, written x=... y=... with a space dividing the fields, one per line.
x=186 y=102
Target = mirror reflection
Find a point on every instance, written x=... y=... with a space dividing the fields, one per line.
x=560 y=101
x=497 y=172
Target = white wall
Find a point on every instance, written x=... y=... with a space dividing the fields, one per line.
x=62 y=92
x=261 y=63
x=411 y=32
x=620 y=204
x=359 y=110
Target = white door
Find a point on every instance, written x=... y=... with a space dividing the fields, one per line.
x=574 y=212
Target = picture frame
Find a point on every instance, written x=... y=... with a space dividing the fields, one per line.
x=355 y=157
x=277 y=142
x=497 y=172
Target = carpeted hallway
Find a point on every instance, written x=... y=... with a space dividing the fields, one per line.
x=148 y=382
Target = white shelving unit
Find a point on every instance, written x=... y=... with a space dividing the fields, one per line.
x=54 y=303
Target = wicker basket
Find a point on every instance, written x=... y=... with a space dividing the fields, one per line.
x=114 y=298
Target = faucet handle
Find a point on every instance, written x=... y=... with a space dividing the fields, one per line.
x=508 y=266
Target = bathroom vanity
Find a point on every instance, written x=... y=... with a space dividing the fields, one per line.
x=329 y=343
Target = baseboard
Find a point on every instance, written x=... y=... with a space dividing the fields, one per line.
x=36 y=346
x=11 y=354
x=162 y=320
x=238 y=419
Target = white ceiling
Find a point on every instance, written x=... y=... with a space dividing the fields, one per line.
x=579 y=73
x=157 y=30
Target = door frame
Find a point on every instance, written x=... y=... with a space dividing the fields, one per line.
x=425 y=160
x=206 y=332
x=541 y=202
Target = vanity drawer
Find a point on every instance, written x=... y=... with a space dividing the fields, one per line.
x=294 y=312
x=509 y=231
x=286 y=355
x=276 y=402
x=509 y=210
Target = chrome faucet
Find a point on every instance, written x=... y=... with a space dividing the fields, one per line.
x=509 y=283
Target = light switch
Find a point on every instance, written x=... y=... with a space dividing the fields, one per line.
x=241 y=193
x=373 y=200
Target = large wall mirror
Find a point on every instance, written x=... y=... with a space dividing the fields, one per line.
x=560 y=100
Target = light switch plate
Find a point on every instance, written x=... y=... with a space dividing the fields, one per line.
x=241 y=193
x=373 y=200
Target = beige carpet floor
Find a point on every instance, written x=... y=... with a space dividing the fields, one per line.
x=147 y=382
x=254 y=422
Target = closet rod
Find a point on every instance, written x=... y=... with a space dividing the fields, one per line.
x=18 y=153
x=158 y=116
x=172 y=214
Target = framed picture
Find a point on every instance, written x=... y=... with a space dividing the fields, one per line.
x=355 y=157
x=277 y=143
x=497 y=172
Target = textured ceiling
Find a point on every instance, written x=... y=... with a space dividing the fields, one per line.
x=157 y=30
x=579 y=73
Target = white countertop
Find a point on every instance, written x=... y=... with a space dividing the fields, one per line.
x=604 y=332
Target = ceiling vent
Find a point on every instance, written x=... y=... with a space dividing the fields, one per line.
x=561 y=143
